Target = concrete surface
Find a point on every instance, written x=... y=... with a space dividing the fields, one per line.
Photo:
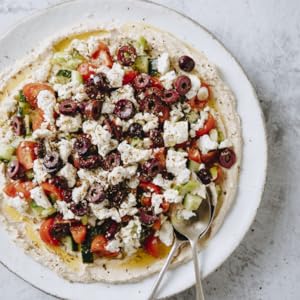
x=265 y=37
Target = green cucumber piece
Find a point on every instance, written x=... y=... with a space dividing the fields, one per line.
x=48 y=212
x=64 y=73
x=27 y=125
x=77 y=77
x=37 y=210
x=191 y=202
x=6 y=152
x=193 y=166
x=142 y=64
x=192 y=116
x=20 y=97
x=142 y=44
x=189 y=187
x=23 y=109
x=214 y=172
x=136 y=142
x=30 y=174
x=70 y=243
x=220 y=136
x=85 y=220
x=153 y=67
x=67 y=60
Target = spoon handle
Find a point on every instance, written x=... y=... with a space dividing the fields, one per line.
x=199 y=289
x=174 y=248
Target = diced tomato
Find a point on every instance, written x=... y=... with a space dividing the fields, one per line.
x=45 y=232
x=31 y=91
x=196 y=104
x=160 y=155
x=102 y=55
x=164 y=113
x=156 y=225
x=53 y=190
x=98 y=247
x=194 y=154
x=210 y=157
x=78 y=233
x=146 y=201
x=85 y=70
x=19 y=188
x=129 y=76
x=208 y=126
x=151 y=245
x=155 y=82
x=37 y=118
x=165 y=206
x=26 y=154
x=126 y=219
x=149 y=186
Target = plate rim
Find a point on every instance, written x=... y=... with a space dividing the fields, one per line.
x=261 y=191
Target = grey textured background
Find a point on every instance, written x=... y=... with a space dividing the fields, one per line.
x=265 y=37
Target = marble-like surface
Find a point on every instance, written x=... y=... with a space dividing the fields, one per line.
x=265 y=37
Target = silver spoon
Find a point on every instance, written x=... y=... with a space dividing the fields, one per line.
x=203 y=219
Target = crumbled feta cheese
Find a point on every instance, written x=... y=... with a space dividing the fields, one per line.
x=186 y=214
x=156 y=201
x=68 y=172
x=93 y=44
x=46 y=101
x=103 y=213
x=69 y=124
x=196 y=83
x=166 y=233
x=107 y=106
x=63 y=208
x=130 y=236
x=175 y=133
x=21 y=205
x=163 y=63
x=8 y=105
x=114 y=75
x=40 y=198
x=150 y=121
x=127 y=208
x=80 y=192
x=42 y=133
x=113 y=245
x=213 y=134
x=130 y=155
x=40 y=174
x=203 y=93
x=176 y=113
x=71 y=89
x=42 y=72
x=133 y=183
x=176 y=164
x=92 y=176
x=205 y=144
x=225 y=144
x=167 y=79
x=200 y=122
x=100 y=137
x=65 y=148
x=125 y=92
x=160 y=181
x=119 y=173
x=172 y=196
x=81 y=46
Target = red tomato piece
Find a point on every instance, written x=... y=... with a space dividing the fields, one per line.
x=149 y=186
x=208 y=126
x=160 y=155
x=194 y=154
x=165 y=206
x=53 y=190
x=98 y=247
x=146 y=201
x=19 y=188
x=45 y=232
x=196 y=104
x=102 y=55
x=31 y=91
x=151 y=246
x=26 y=154
x=85 y=70
x=129 y=76
x=37 y=118
x=163 y=113
x=155 y=82
x=156 y=225
x=78 y=233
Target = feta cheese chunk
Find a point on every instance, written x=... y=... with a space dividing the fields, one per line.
x=196 y=83
x=68 y=172
x=81 y=46
x=40 y=174
x=172 y=196
x=43 y=133
x=166 y=233
x=127 y=208
x=203 y=93
x=118 y=174
x=69 y=124
x=160 y=181
x=40 y=198
x=175 y=133
x=125 y=92
x=200 y=122
x=225 y=144
x=65 y=148
x=92 y=176
x=130 y=236
x=103 y=213
x=63 y=208
x=46 y=101
x=113 y=246
x=131 y=155
x=163 y=63
x=79 y=193
x=21 y=205
x=167 y=79
x=156 y=201
x=114 y=75
x=149 y=121
x=205 y=144
x=186 y=214
x=176 y=164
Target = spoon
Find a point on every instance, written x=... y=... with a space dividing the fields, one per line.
x=205 y=218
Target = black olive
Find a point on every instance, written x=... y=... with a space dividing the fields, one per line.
x=15 y=170
x=124 y=109
x=135 y=130
x=82 y=145
x=186 y=63
x=68 y=107
x=18 y=126
x=52 y=162
x=182 y=85
x=204 y=176
x=127 y=55
x=96 y=193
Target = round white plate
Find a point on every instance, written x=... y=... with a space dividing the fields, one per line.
x=22 y=39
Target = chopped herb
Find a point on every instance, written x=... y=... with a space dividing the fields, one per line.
x=64 y=73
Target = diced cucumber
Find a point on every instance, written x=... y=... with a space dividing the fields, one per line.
x=194 y=166
x=142 y=45
x=191 y=202
x=48 y=212
x=64 y=73
x=136 y=142
x=214 y=172
x=6 y=152
x=142 y=64
x=67 y=60
x=189 y=187
x=220 y=136
x=192 y=116
x=30 y=174
x=37 y=210
x=153 y=67
x=27 y=125
x=77 y=77
x=23 y=108
x=20 y=97
x=70 y=244
x=85 y=220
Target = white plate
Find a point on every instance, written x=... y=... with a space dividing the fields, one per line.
x=24 y=36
